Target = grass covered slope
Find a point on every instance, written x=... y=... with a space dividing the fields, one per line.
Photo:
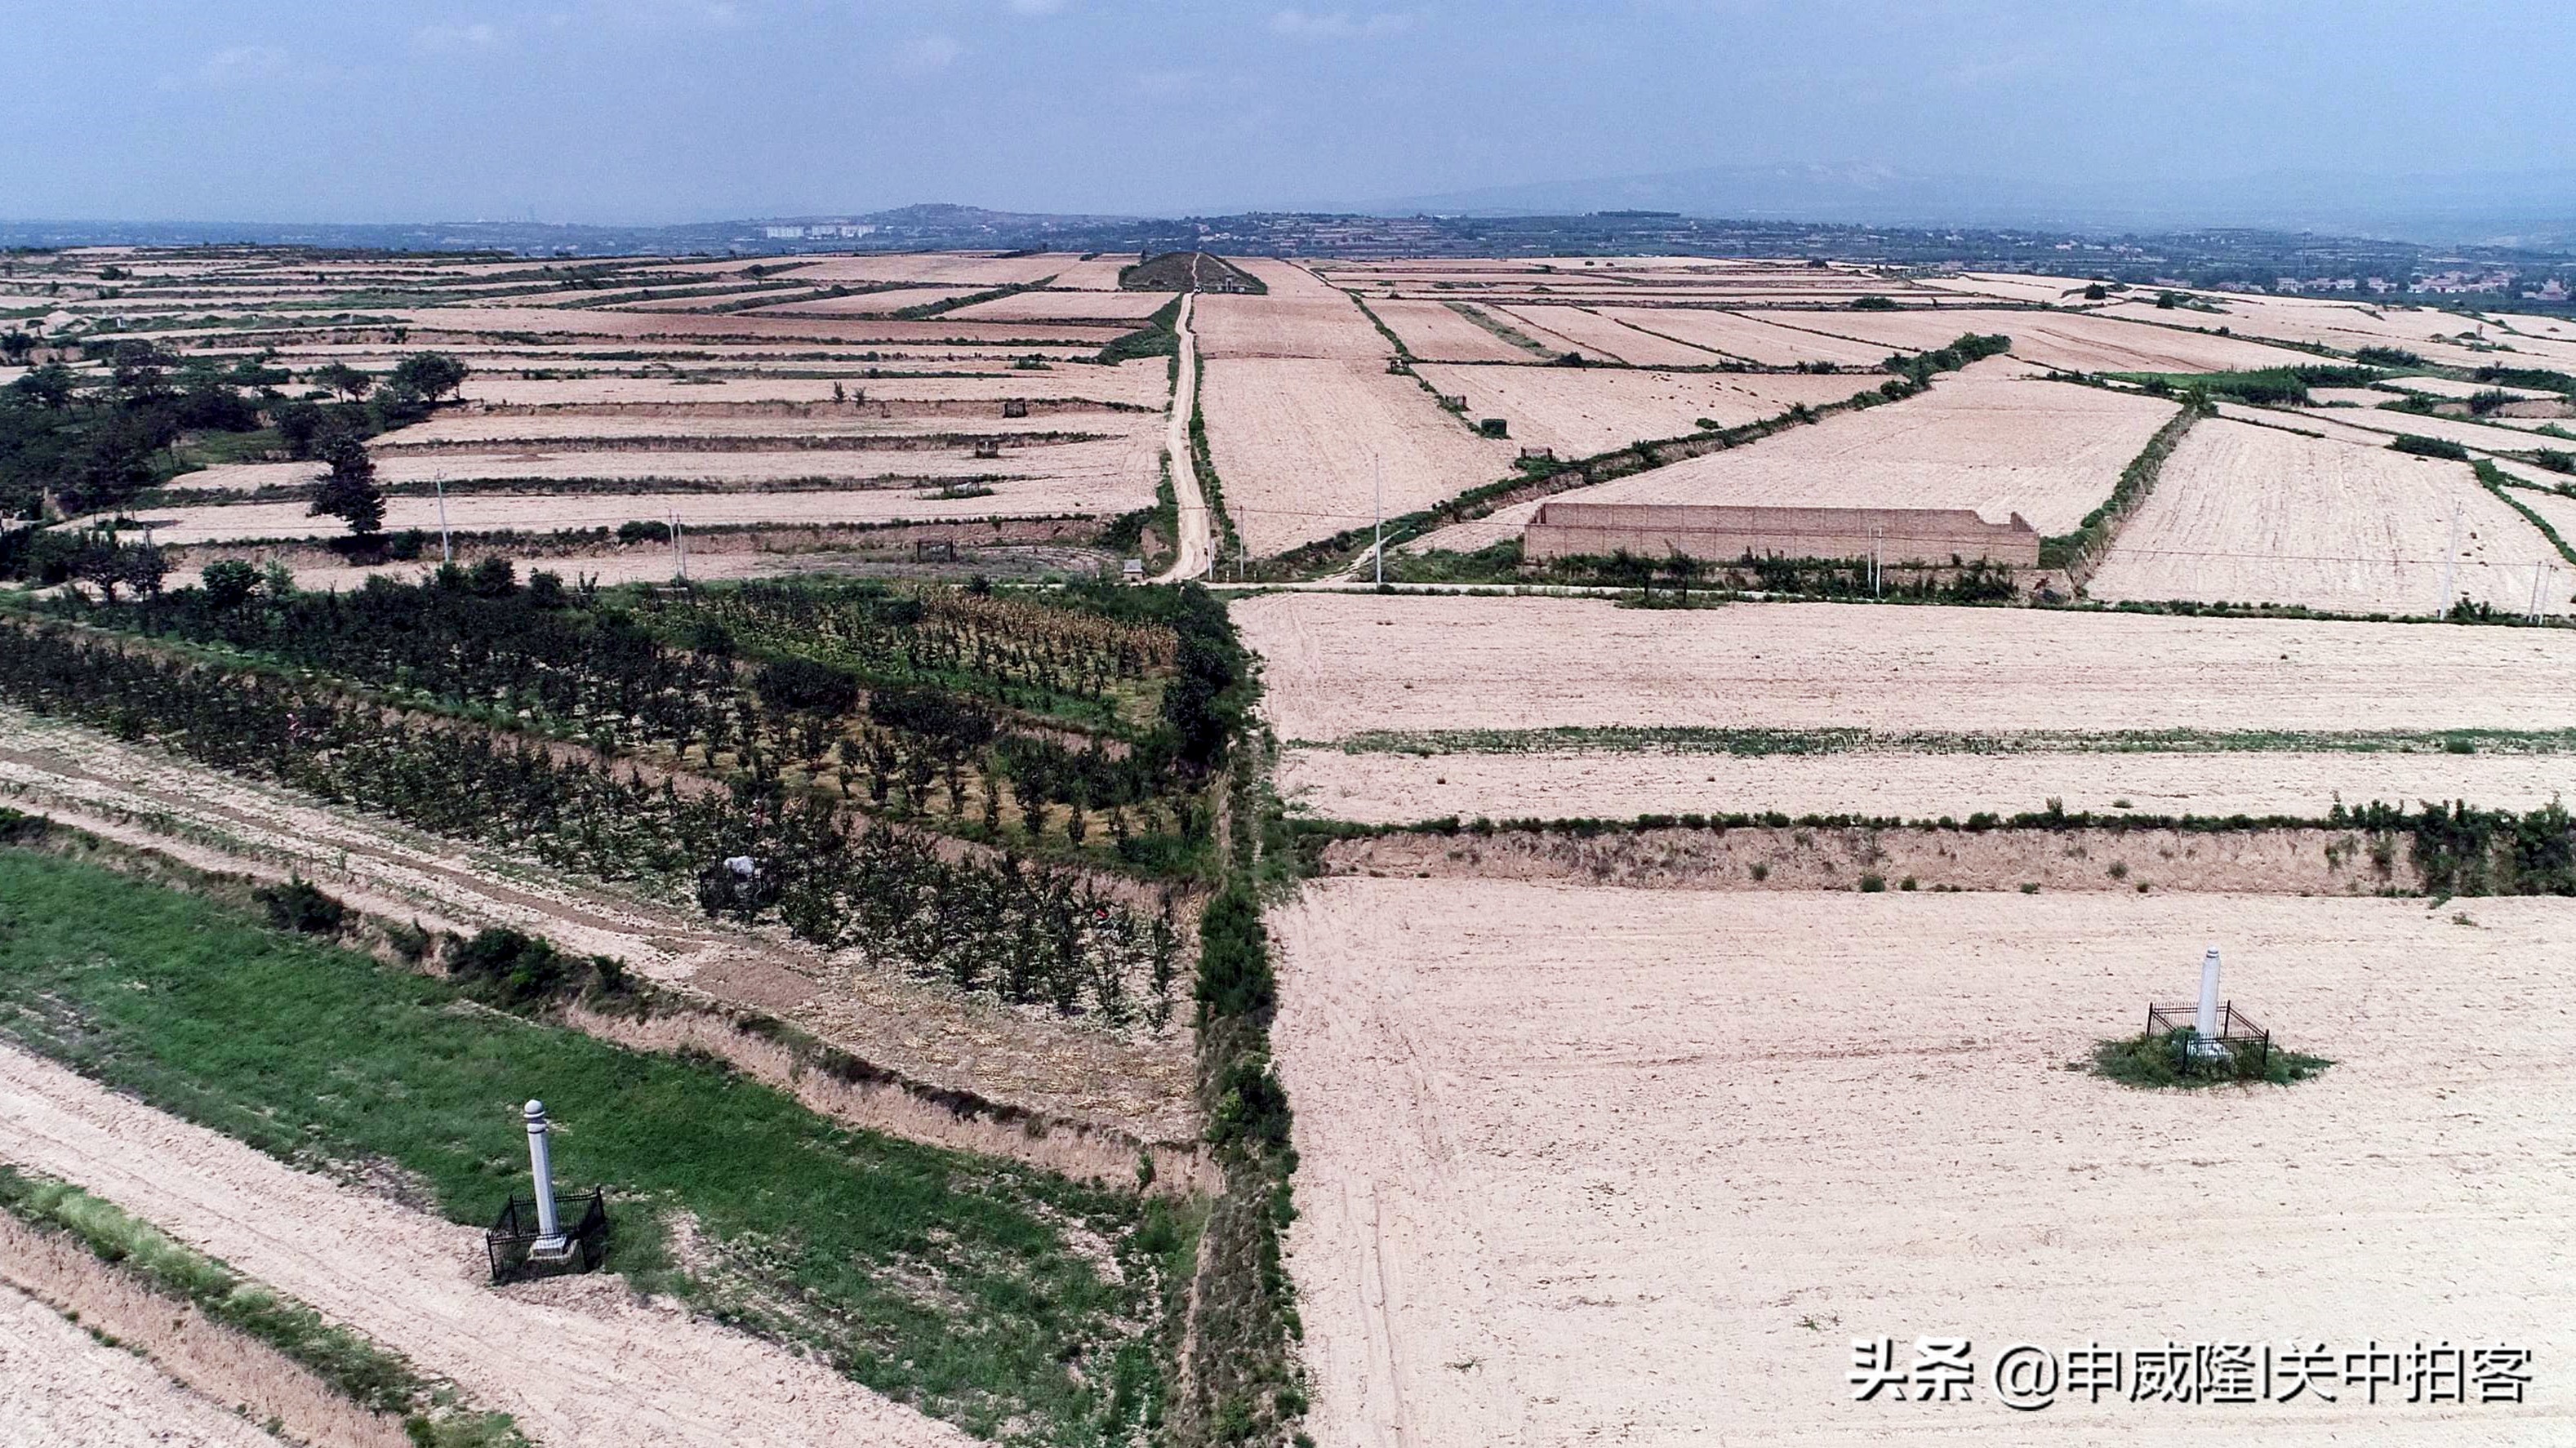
x=1014 y=1304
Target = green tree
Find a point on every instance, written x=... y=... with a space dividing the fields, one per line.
x=342 y=378
x=49 y=386
x=349 y=490
x=229 y=582
x=431 y=374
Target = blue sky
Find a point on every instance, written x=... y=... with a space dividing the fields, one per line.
x=672 y=110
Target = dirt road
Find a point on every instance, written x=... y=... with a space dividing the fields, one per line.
x=1197 y=541
x=575 y=1360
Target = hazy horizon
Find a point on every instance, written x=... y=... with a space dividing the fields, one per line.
x=678 y=111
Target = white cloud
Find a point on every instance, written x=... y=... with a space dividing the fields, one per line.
x=928 y=53
x=1339 y=25
x=442 y=39
x=243 y=65
x=1036 y=7
x=659 y=16
x=1169 y=83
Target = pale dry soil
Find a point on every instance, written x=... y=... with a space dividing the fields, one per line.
x=1611 y=784
x=1579 y=411
x=1301 y=447
x=62 y=1388
x=1339 y=664
x=2070 y=341
x=2263 y=516
x=614 y=1369
x=1600 y=1165
x=1983 y=439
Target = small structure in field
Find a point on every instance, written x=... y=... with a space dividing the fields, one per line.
x=530 y=1238
x=1896 y=537
x=1015 y=407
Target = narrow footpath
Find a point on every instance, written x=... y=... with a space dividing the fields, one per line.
x=1197 y=541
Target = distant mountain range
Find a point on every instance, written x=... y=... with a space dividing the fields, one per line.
x=2247 y=231
x=2525 y=209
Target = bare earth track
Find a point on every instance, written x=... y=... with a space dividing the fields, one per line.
x=615 y=1370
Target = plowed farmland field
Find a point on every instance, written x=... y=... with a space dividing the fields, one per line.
x=1338 y=665
x=1056 y=306
x=1300 y=445
x=1581 y=411
x=1768 y=343
x=1596 y=335
x=2259 y=516
x=1980 y=439
x=2072 y=341
x=547 y=513
x=1436 y=331
x=1310 y=322
x=1589 y=1164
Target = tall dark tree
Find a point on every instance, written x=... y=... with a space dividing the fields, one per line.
x=349 y=490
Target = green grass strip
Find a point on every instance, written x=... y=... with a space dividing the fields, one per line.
x=944 y=1280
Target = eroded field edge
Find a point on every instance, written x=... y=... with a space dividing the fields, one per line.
x=626 y=1010
x=236 y=1341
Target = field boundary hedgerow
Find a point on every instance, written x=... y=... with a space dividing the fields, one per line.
x=318 y=1380
x=2493 y=479
x=1203 y=462
x=2453 y=849
x=1240 y=1379
x=1754 y=742
x=2080 y=551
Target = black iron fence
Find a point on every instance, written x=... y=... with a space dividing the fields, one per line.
x=2249 y=1043
x=513 y=1237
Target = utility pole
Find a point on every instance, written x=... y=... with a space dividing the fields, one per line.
x=446 y=547
x=1377 y=468
x=2536 y=567
x=2450 y=565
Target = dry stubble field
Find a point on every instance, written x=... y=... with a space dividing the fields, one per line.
x=1401 y=788
x=1981 y=439
x=1300 y=446
x=842 y=389
x=1578 y=412
x=1583 y=1164
x=2258 y=515
x=1340 y=664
